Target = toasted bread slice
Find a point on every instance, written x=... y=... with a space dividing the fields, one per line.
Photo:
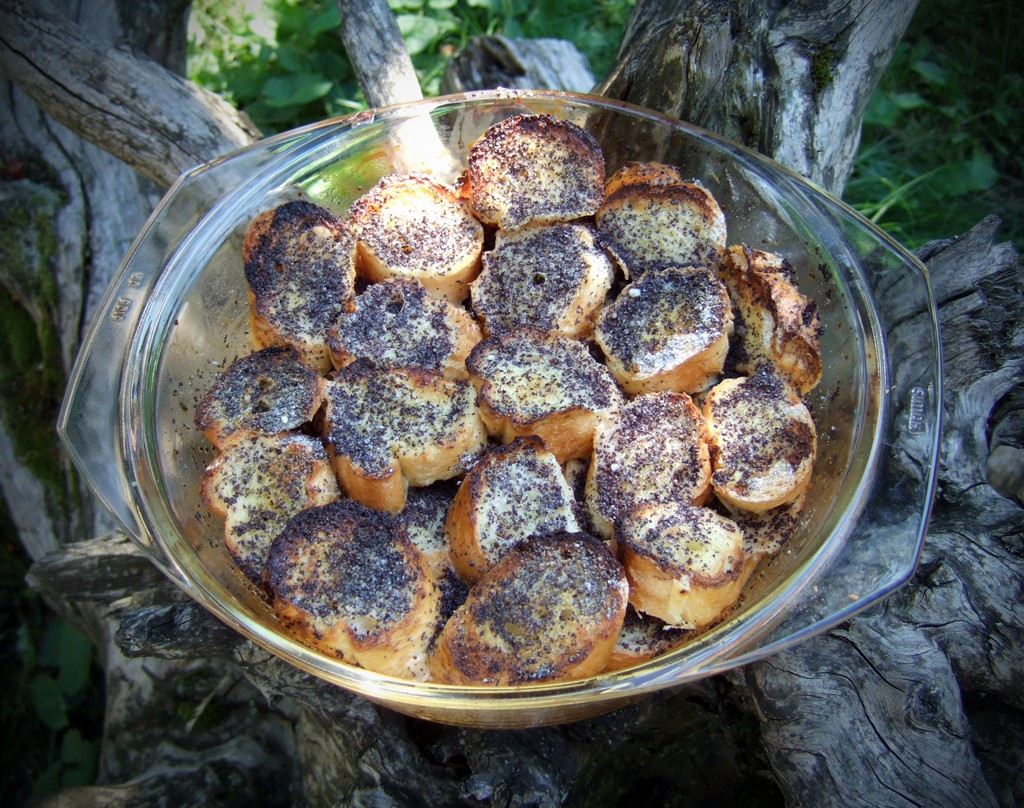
x=412 y=226
x=266 y=392
x=775 y=323
x=348 y=581
x=257 y=483
x=762 y=440
x=423 y=516
x=514 y=491
x=644 y=637
x=653 y=450
x=648 y=221
x=300 y=266
x=535 y=382
x=550 y=610
x=534 y=168
x=668 y=330
x=684 y=563
x=765 y=533
x=389 y=428
x=398 y=323
x=553 y=277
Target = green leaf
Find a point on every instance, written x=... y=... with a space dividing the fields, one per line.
x=441 y=5
x=48 y=700
x=931 y=72
x=419 y=32
x=908 y=100
x=327 y=20
x=75 y=660
x=966 y=176
x=48 y=782
x=295 y=90
x=79 y=757
x=882 y=110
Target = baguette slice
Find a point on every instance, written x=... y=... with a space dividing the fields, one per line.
x=257 y=483
x=553 y=277
x=348 y=581
x=513 y=491
x=654 y=450
x=775 y=323
x=530 y=381
x=300 y=267
x=550 y=610
x=389 y=428
x=685 y=564
x=762 y=440
x=644 y=637
x=412 y=226
x=668 y=330
x=266 y=392
x=651 y=218
x=534 y=168
x=398 y=323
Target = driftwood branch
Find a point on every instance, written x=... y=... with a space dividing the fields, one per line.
x=500 y=61
x=152 y=119
x=378 y=53
x=790 y=80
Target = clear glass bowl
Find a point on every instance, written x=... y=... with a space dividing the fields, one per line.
x=176 y=315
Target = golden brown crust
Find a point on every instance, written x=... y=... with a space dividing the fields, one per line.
x=412 y=226
x=265 y=392
x=650 y=221
x=653 y=450
x=389 y=428
x=668 y=330
x=775 y=323
x=762 y=440
x=552 y=276
x=300 y=268
x=684 y=563
x=534 y=168
x=644 y=637
x=257 y=483
x=348 y=581
x=398 y=324
x=512 y=492
x=550 y=610
x=530 y=381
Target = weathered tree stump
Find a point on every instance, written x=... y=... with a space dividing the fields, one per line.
x=916 y=701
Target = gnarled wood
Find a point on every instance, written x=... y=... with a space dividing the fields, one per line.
x=377 y=51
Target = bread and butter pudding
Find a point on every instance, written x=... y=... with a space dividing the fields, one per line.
x=528 y=427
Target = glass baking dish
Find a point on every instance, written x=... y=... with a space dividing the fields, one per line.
x=176 y=314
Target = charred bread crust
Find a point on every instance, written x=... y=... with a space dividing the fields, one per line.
x=299 y=264
x=644 y=637
x=775 y=323
x=398 y=323
x=412 y=226
x=389 y=428
x=649 y=222
x=512 y=492
x=550 y=610
x=668 y=330
x=530 y=381
x=266 y=392
x=552 y=276
x=534 y=168
x=762 y=439
x=684 y=563
x=653 y=450
x=348 y=580
x=257 y=483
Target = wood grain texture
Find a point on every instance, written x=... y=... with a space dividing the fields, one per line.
x=378 y=53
